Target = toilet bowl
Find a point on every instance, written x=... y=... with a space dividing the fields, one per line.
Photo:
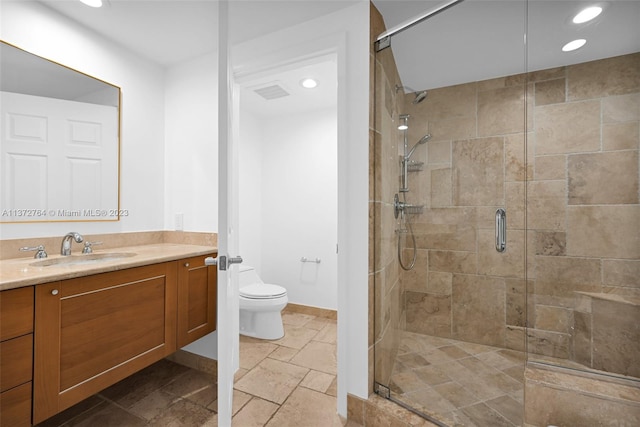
x=260 y=306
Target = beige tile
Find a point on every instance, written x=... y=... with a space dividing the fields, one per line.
x=355 y=409
x=152 y=405
x=603 y=178
x=452 y=262
x=439 y=152
x=253 y=351
x=319 y=356
x=514 y=205
x=134 y=388
x=295 y=337
x=478 y=307
x=441 y=187
x=509 y=263
x=515 y=339
x=509 y=408
x=501 y=111
x=239 y=400
x=309 y=408
x=282 y=353
x=552 y=243
x=451 y=102
x=612 y=76
x=619 y=109
x=447 y=229
x=567 y=128
x=556 y=319
x=439 y=283
x=272 y=380
x=104 y=415
x=296 y=319
x=256 y=413
x=562 y=276
x=548 y=74
x=428 y=313
x=616 y=337
x=546 y=205
x=550 y=402
x=515 y=302
x=517 y=166
x=416 y=279
x=550 y=167
x=318 y=381
x=621 y=273
x=195 y=386
x=613 y=231
x=621 y=136
x=454 y=128
x=328 y=334
x=550 y=92
x=478 y=172
x=547 y=343
x=181 y=413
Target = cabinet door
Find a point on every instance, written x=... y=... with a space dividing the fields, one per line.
x=196 y=299
x=93 y=331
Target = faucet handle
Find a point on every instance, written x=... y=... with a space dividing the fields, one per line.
x=40 y=252
x=88 y=247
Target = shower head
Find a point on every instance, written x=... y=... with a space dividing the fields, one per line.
x=420 y=142
x=419 y=96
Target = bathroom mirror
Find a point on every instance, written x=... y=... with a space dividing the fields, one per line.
x=60 y=142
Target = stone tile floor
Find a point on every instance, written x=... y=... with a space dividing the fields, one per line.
x=459 y=383
x=286 y=382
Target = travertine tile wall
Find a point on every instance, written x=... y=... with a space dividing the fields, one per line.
x=581 y=234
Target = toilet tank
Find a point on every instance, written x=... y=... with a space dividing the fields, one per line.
x=248 y=276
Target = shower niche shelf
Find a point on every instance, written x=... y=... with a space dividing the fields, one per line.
x=415 y=166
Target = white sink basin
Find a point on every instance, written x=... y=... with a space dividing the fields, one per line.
x=82 y=259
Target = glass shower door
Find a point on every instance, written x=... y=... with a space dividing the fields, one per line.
x=450 y=332
x=583 y=216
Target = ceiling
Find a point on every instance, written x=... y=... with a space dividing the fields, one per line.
x=473 y=40
x=482 y=39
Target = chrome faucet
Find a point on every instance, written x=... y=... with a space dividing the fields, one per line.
x=65 y=248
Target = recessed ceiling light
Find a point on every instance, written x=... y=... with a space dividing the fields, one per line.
x=573 y=45
x=92 y=3
x=587 y=14
x=309 y=83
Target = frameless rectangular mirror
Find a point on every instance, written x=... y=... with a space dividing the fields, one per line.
x=59 y=144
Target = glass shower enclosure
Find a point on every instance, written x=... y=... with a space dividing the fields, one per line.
x=507 y=244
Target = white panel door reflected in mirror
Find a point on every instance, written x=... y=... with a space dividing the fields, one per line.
x=59 y=142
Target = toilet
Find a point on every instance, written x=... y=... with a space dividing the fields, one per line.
x=260 y=306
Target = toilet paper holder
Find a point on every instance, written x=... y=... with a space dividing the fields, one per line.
x=305 y=259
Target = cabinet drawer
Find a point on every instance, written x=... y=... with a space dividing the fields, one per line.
x=16 y=312
x=16 y=358
x=15 y=406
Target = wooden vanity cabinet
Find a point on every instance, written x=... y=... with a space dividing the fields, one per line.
x=16 y=356
x=197 y=293
x=93 y=331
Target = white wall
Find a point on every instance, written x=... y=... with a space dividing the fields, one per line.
x=250 y=206
x=39 y=30
x=300 y=206
x=191 y=124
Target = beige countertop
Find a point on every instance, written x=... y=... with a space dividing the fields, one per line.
x=19 y=272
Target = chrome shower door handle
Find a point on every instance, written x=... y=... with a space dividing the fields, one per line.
x=501 y=230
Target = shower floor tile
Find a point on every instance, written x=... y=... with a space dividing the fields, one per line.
x=459 y=383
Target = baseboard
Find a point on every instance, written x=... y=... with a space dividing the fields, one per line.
x=312 y=311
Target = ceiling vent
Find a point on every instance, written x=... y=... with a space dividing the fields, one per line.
x=271 y=91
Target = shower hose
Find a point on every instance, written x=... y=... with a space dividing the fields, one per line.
x=404 y=216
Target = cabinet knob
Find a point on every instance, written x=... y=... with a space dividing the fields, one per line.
x=186 y=264
x=54 y=292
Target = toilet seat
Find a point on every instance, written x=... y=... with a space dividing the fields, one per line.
x=262 y=291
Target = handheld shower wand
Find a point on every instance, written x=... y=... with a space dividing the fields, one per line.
x=405 y=162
